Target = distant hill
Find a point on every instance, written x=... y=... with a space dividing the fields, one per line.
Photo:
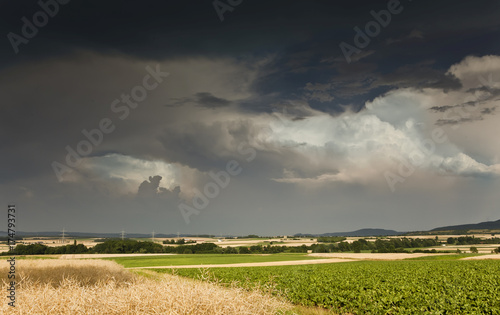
x=488 y=225
x=365 y=232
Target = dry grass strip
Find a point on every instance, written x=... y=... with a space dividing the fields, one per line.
x=104 y=287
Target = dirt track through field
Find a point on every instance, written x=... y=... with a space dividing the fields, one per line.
x=483 y=257
x=257 y=264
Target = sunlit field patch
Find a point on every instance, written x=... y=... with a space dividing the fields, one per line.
x=375 y=287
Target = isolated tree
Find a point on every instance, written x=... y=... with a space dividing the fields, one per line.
x=474 y=250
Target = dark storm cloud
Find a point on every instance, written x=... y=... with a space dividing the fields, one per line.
x=460 y=120
x=208 y=100
x=418 y=76
x=444 y=122
x=202 y=99
x=205 y=147
x=471 y=110
x=362 y=82
x=441 y=109
x=161 y=29
x=301 y=35
x=64 y=79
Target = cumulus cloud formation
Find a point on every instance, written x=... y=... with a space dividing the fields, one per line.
x=401 y=127
x=152 y=188
x=395 y=128
x=475 y=72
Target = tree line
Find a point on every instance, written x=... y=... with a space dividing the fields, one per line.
x=393 y=245
x=468 y=240
x=118 y=246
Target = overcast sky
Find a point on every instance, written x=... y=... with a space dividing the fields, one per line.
x=239 y=117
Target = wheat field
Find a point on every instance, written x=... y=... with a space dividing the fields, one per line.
x=104 y=287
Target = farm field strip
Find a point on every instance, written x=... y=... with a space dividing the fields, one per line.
x=96 y=256
x=259 y=264
x=480 y=257
x=374 y=256
x=205 y=259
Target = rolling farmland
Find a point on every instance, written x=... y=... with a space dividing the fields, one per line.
x=375 y=287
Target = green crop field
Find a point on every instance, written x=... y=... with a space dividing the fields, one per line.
x=375 y=287
x=204 y=259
